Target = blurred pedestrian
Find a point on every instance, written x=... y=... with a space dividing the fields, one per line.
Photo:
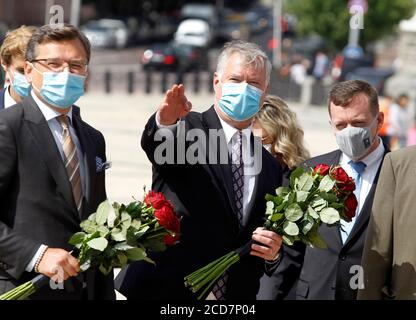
x=321 y=65
x=298 y=69
x=12 y=56
x=399 y=122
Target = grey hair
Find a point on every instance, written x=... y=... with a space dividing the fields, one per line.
x=250 y=51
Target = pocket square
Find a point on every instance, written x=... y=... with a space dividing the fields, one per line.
x=100 y=165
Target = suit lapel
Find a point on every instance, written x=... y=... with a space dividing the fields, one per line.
x=46 y=145
x=88 y=159
x=364 y=215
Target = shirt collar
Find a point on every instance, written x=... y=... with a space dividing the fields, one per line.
x=229 y=131
x=8 y=99
x=370 y=159
x=47 y=111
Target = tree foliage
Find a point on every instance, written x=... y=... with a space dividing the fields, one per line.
x=331 y=19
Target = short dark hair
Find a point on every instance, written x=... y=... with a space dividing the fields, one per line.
x=342 y=93
x=50 y=33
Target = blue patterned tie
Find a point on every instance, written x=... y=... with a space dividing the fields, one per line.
x=357 y=170
x=237 y=170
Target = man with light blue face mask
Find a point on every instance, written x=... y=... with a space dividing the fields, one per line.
x=221 y=203
x=335 y=273
x=51 y=175
x=12 y=56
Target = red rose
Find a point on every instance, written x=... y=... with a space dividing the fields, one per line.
x=171 y=240
x=351 y=205
x=340 y=175
x=348 y=186
x=321 y=169
x=168 y=219
x=157 y=200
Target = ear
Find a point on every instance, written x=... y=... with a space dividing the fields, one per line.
x=380 y=120
x=3 y=65
x=28 y=71
x=216 y=80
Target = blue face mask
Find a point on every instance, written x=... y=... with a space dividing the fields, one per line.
x=62 y=89
x=20 y=84
x=240 y=101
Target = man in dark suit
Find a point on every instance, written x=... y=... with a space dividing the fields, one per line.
x=12 y=58
x=220 y=205
x=51 y=173
x=335 y=273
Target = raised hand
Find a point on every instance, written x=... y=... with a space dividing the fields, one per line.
x=174 y=106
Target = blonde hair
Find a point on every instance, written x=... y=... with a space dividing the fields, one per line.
x=15 y=44
x=281 y=125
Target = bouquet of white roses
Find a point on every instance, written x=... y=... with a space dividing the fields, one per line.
x=321 y=195
x=116 y=235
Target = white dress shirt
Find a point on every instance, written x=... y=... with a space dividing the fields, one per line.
x=56 y=130
x=373 y=162
x=8 y=100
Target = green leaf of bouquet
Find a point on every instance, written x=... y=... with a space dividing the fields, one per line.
x=122 y=259
x=288 y=240
x=318 y=204
x=307 y=224
x=102 y=212
x=118 y=235
x=282 y=191
x=269 y=207
x=77 y=238
x=276 y=217
x=301 y=196
x=328 y=196
x=89 y=226
x=290 y=228
x=294 y=175
x=103 y=231
x=112 y=216
x=305 y=182
x=105 y=271
x=326 y=184
x=290 y=198
x=122 y=246
x=329 y=215
x=125 y=219
x=293 y=212
x=312 y=213
x=317 y=241
x=136 y=224
x=138 y=234
x=135 y=254
x=154 y=245
x=98 y=243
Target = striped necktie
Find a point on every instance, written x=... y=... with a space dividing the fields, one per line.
x=71 y=161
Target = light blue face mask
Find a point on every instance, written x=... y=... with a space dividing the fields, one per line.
x=20 y=84
x=62 y=89
x=240 y=101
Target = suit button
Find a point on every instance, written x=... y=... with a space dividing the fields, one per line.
x=343 y=257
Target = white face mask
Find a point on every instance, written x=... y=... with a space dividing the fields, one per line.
x=355 y=141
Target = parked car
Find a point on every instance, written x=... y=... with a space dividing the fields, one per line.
x=194 y=32
x=107 y=33
x=173 y=56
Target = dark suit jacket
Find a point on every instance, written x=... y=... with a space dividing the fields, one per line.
x=202 y=195
x=324 y=274
x=36 y=202
x=2 y=99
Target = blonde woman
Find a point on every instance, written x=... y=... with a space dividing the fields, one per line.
x=282 y=136
x=280 y=132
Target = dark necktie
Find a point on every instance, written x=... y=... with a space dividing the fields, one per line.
x=237 y=170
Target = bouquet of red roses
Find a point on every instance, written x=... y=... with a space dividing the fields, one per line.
x=322 y=195
x=116 y=235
